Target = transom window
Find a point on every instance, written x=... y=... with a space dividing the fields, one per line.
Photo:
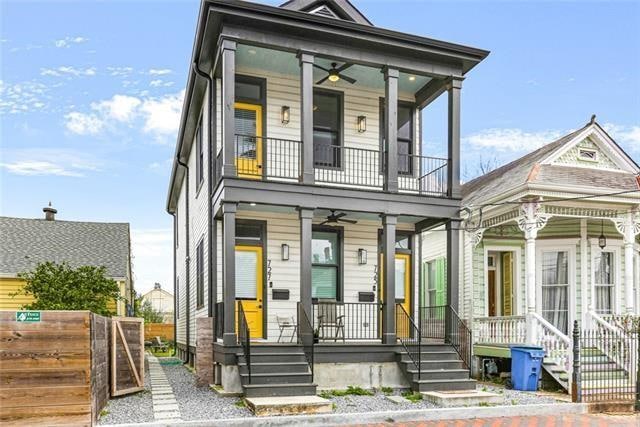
x=604 y=282
x=326 y=264
x=555 y=289
x=327 y=129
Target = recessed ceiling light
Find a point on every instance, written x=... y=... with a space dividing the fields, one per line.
x=252 y=51
x=412 y=78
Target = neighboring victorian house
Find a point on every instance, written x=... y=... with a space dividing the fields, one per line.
x=550 y=238
x=28 y=242
x=161 y=301
x=299 y=189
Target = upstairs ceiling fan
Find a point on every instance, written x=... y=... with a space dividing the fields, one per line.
x=334 y=218
x=335 y=74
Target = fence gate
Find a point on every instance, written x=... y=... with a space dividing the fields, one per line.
x=127 y=355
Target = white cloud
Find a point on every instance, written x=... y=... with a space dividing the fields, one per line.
x=68 y=71
x=68 y=41
x=511 y=139
x=160 y=83
x=58 y=162
x=152 y=250
x=83 y=124
x=162 y=115
x=119 y=71
x=626 y=135
x=159 y=71
x=38 y=168
x=23 y=97
x=121 y=107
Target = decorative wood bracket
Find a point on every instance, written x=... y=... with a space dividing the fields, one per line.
x=532 y=219
x=628 y=226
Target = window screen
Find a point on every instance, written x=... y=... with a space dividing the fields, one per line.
x=327 y=112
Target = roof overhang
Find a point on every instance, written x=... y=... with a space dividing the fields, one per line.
x=293 y=30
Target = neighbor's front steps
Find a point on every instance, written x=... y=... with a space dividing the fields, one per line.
x=165 y=406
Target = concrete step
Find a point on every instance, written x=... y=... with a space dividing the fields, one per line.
x=603 y=375
x=439 y=374
x=288 y=405
x=443 y=385
x=276 y=378
x=597 y=367
x=275 y=348
x=433 y=364
x=432 y=355
x=594 y=359
x=266 y=390
x=273 y=357
x=275 y=367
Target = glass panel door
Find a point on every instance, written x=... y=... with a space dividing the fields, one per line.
x=555 y=289
x=249 y=280
x=248 y=139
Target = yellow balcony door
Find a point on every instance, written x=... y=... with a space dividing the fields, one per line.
x=249 y=285
x=403 y=288
x=248 y=140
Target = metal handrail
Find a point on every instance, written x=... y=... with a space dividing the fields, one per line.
x=459 y=336
x=305 y=336
x=244 y=337
x=413 y=338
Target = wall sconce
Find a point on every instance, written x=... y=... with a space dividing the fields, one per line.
x=602 y=240
x=285 y=252
x=362 y=124
x=362 y=256
x=285 y=114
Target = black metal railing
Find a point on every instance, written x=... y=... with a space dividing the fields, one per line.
x=422 y=174
x=341 y=321
x=606 y=365
x=432 y=321
x=347 y=165
x=244 y=337
x=408 y=333
x=458 y=335
x=258 y=157
x=306 y=336
x=219 y=320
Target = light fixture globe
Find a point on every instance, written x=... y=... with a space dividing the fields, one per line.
x=602 y=240
x=333 y=76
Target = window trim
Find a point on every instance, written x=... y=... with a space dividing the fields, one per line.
x=588 y=150
x=614 y=246
x=339 y=230
x=199 y=157
x=340 y=96
x=200 y=274
x=381 y=127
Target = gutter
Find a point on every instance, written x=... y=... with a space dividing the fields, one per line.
x=187 y=258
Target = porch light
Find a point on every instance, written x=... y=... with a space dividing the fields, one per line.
x=285 y=252
x=362 y=256
x=285 y=114
x=333 y=76
x=362 y=124
x=602 y=240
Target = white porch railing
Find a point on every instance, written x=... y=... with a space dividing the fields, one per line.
x=557 y=346
x=500 y=330
x=615 y=344
x=626 y=322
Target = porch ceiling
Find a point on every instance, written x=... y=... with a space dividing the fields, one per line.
x=285 y=63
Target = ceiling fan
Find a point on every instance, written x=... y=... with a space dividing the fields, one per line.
x=335 y=74
x=334 y=218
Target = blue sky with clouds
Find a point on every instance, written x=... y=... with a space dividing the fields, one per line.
x=90 y=96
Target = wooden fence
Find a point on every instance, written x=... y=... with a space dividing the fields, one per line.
x=127 y=355
x=162 y=330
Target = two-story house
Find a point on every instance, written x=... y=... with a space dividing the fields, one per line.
x=299 y=190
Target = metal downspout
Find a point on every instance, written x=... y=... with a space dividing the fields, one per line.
x=187 y=258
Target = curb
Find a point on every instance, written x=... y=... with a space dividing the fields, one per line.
x=381 y=417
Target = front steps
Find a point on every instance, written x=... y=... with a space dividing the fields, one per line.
x=440 y=369
x=601 y=375
x=276 y=370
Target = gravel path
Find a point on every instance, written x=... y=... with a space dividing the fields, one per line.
x=133 y=408
x=515 y=397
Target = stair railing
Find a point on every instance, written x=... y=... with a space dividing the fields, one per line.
x=614 y=343
x=306 y=336
x=557 y=346
x=409 y=335
x=244 y=337
x=459 y=336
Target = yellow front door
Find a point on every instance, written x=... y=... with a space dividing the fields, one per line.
x=249 y=283
x=248 y=122
x=403 y=288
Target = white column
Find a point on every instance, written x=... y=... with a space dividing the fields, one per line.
x=629 y=227
x=531 y=221
x=585 y=283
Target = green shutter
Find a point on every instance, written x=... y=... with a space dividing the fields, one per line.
x=441 y=281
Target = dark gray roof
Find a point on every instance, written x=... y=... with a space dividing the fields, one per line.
x=343 y=8
x=567 y=175
x=27 y=242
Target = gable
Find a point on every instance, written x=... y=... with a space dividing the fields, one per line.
x=324 y=10
x=336 y=9
x=588 y=154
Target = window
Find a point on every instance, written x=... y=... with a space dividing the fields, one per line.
x=588 y=155
x=604 y=282
x=555 y=288
x=327 y=129
x=403 y=241
x=199 y=156
x=435 y=275
x=326 y=262
x=177 y=297
x=200 y=274
x=406 y=138
x=249 y=89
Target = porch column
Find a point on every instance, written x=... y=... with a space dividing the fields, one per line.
x=307 y=174
x=453 y=277
x=389 y=268
x=306 y=218
x=629 y=227
x=391 y=130
x=453 y=170
x=531 y=221
x=228 y=60
x=229 y=271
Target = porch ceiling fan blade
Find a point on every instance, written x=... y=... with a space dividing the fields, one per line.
x=348 y=79
x=325 y=222
x=343 y=67
x=349 y=221
x=322 y=68
x=319 y=82
x=338 y=216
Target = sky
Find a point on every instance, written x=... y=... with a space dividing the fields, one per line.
x=91 y=93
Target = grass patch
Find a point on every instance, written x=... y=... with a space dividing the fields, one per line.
x=412 y=396
x=241 y=403
x=386 y=390
x=350 y=391
x=104 y=413
x=484 y=404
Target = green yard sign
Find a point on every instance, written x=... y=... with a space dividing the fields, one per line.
x=27 y=316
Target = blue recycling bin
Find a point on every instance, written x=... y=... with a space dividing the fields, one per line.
x=526 y=364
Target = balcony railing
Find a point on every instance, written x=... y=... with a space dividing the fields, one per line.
x=280 y=159
x=346 y=321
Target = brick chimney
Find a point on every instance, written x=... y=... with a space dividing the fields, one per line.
x=49 y=213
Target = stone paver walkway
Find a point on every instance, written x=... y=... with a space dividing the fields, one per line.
x=165 y=406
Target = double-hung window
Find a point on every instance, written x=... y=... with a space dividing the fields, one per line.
x=200 y=274
x=604 y=282
x=555 y=288
x=326 y=264
x=406 y=136
x=327 y=129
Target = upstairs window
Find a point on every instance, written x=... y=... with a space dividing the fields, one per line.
x=588 y=155
x=327 y=128
x=406 y=136
x=326 y=263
